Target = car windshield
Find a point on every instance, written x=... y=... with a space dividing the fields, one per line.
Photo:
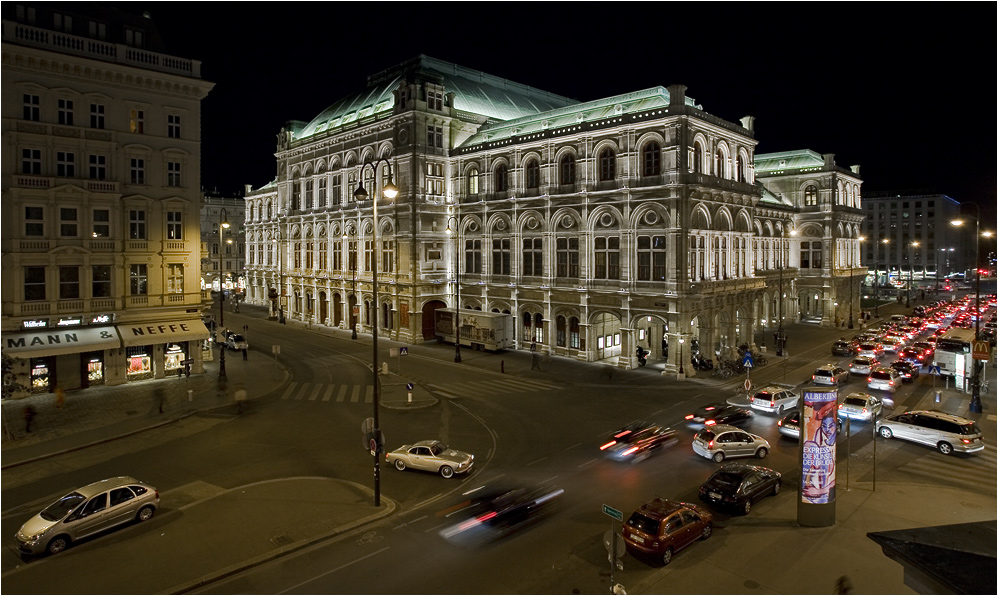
x=728 y=480
x=237 y=338
x=881 y=374
x=437 y=448
x=854 y=401
x=644 y=523
x=61 y=508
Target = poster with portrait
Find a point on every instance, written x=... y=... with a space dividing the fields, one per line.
x=819 y=423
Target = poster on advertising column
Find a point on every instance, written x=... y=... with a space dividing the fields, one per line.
x=819 y=422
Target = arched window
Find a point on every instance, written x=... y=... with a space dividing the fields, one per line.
x=607 y=165
x=739 y=172
x=501 y=175
x=697 y=165
x=296 y=193
x=573 y=333
x=560 y=327
x=651 y=159
x=270 y=210
x=539 y=328
x=308 y=193
x=810 y=195
x=568 y=169
x=533 y=174
x=719 y=163
x=473 y=181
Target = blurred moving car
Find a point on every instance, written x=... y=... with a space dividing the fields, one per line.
x=945 y=432
x=431 y=456
x=909 y=371
x=86 y=511
x=773 y=399
x=728 y=415
x=884 y=378
x=739 y=486
x=843 y=348
x=662 y=528
x=494 y=511
x=701 y=414
x=637 y=441
x=724 y=442
x=830 y=374
x=860 y=406
x=236 y=341
x=863 y=365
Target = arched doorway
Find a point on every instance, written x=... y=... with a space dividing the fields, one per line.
x=323 y=310
x=651 y=334
x=428 y=316
x=810 y=302
x=606 y=335
x=337 y=310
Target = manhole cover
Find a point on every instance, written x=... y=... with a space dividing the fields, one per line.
x=281 y=540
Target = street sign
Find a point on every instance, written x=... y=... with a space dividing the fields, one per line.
x=408 y=386
x=614 y=513
x=748 y=385
x=934 y=370
x=747 y=361
x=275 y=349
x=982 y=350
x=403 y=351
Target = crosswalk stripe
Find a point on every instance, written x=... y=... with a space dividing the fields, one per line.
x=289 y=390
x=951 y=476
x=301 y=392
x=369 y=395
x=956 y=471
x=341 y=392
x=315 y=393
x=329 y=392
x=355 y=395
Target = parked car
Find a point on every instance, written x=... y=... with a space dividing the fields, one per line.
x=725 y=441
x=662 y=528
x=86 y=511
x=236 y=341
x=739 y=486
x=863 y=365
x=773 y=399
x=830 y=374
x=945 y=432
x=884 y=378
x=909 y=371
x=843 y=348
x=431 y=456
x=860 y=406
x=637 y=441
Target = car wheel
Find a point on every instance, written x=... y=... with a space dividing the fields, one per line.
x=399 y=465
x=667 y=556
x=706 y=532
x=57 y=545
x=446 y=471
x=718 y=456
x=886 y=432
x=145 y=514
x=747 y=506
x=944 y=448
x=777 y=487
x=761 y=453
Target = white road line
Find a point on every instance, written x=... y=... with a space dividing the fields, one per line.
x=289 y=390
x=355 y=395
x=587 y=463
x=341 y=392
x=537 y=461
x=369 y=396
x=315 y=393
x=329 y=393
x=334 y=570
x=409 y=522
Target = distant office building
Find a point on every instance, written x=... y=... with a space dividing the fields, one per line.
x=912 y=231
x=637 y=220
x=101 y=191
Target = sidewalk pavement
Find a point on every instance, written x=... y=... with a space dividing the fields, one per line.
x=761 y=557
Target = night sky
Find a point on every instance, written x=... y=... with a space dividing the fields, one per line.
x=905 y=90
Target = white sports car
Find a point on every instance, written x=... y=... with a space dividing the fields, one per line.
x=431 y=456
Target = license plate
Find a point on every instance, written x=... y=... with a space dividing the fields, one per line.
x=637 y=539
x=715 y=496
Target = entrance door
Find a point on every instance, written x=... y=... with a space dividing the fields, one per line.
x=428 y=316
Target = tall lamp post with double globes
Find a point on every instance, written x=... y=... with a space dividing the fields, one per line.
x=457 y=285
x=975 y=398
x=390 y=191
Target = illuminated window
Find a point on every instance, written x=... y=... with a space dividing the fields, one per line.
x=137 y=121
x=473 y=181
x=810 y=195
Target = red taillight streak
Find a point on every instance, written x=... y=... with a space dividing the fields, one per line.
x=607 y=446
x=710 y=445
x=710 y=422
x=630 y=451
x=689 y=416
x=621 y=434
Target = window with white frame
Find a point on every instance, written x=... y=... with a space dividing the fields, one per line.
x=69 y=282
x=388 y=255
x=65 y=112
x=138 y=279
x=68 y=223
x=473 y=181
x=533 y=256
x=175 y=225
x=98 y=166
x=31 y=161
x=336 y=193
x=100 y=281
x=34 y=283
x=137 y=121
x=136 y=224
x=308 y=193
x=173 y=173
x=175 y=278
x=810 y=195
x=173 y=126
x=32 y=107
x=34 y=221
x=137 y=170
x=434 y=179
x=501 y=251
x=651 y=258
x=101 y=223
x=96 y=115
x=321 y=200
x=473 y=255
x=435 y=136
x=434 y=100
x=606 y=263
x=65 y=164
x=567 y=256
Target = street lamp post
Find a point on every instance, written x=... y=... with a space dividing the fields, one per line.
x=975 y=397
x=390 y=191
x=876 y=280
x=457 y=284
x=681 y=342
x=911 y=264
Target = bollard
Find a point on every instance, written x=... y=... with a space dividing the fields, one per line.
x=938 y=395
x=410 y=397
x=502 y=366
x=384 y=368
x=190 y=395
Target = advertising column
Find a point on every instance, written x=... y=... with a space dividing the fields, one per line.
x=819 y=421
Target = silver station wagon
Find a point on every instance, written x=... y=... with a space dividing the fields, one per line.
x=87 y=511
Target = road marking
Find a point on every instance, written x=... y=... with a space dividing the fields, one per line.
x=289 y=390
x=369 y=395
x=341 y=392
x=409 y=522
x=537 y=461
x=315 y=393
x=355 y=395
x=587 y=463
x=334 y=570
x=329 y=393
x=301 y=392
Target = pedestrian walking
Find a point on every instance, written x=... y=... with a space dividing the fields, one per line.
x=239 y=396
x=245 y=354
x=160 y=398
x=60 y=397
x=29 y=415
x=535 y=361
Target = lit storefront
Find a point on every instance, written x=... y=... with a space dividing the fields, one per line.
x=155 y=350
x=60 y=355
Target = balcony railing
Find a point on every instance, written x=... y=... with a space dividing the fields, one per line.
x=96 y=49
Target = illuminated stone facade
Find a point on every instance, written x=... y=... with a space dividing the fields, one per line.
x=634 y=220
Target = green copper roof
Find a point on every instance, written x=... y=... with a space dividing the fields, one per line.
x=768 y=197
x=608 y=107
x=787 y=160
x=474 y=91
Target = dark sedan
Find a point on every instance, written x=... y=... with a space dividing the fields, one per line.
x=914 y=355
x=843 y=348
x=637 y=441
x=703 y=413
x=728 y=415
x=739 y=486
x=493 y=512
x=909 y=371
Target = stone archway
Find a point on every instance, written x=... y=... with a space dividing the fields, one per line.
x=323 y=308
x=337 y=310
x=428 y=317
x=605 y=332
